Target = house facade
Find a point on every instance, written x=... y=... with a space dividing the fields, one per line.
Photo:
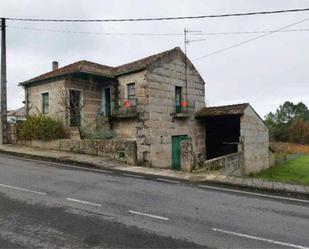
x=151 y=101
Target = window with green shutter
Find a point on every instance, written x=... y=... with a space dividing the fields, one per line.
x=178 y=98
x=45 y=103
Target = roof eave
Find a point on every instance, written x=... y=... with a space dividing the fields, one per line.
x=31 y=82
x=129 y=72
x=199 y=116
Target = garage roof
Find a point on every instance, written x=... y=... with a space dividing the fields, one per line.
x=237 y=109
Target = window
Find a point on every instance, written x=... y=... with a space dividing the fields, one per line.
x=75 y=117
x=45 y=103
x=178 y=98
x=131 y=93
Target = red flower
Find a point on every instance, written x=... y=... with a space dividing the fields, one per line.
x=126 y=103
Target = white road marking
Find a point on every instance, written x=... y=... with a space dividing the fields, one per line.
x=22 y=189
x=167 y=180
x=260 y=239
x=256 y=194
x=148 y=215
x=85 y=202
x=132 y=175
x=57 y=164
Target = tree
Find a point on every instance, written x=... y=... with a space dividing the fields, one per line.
x=279 y=122
x=299 y=131
x=288 y=112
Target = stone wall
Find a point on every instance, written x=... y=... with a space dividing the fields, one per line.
x=12 y=133
x=34 y=98
x=187 y=156
x=135 y=129
x=255 y=140
x=162 y=78
x=230 y=164
x=114 y=149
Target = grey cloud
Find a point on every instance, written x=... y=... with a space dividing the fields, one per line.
x=265 y=72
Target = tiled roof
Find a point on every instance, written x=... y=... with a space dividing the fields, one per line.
x=100 y=70
x=237 y=109
x=18 y=112
x=77 y=67
x=140 y=64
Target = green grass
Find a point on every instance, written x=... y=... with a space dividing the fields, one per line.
x=294 y=171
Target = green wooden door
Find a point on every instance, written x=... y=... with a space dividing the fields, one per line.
x=176 y=162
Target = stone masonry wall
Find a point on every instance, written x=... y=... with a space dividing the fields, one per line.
x=255 y=139
x=115 y=149
x=162 y=78
x=90 y=99
x=135 y=129
x=34 y=98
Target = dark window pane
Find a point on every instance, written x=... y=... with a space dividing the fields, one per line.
x=178 y=98
x=45 y=103
x=131 y=94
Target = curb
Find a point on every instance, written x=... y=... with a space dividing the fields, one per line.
x=256 y=189
x=215 y=182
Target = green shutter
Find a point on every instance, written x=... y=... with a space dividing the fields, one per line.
x=178 y=99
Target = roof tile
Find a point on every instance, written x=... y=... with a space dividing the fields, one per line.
x=98 y=69
x=237 y=109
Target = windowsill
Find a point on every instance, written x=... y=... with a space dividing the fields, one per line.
x=180 y=115
x=130 y=115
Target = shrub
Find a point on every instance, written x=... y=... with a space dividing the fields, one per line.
x=41 y=127
x=101 y=134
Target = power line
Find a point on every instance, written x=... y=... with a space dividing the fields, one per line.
x=159 y=18
x=254 y=32
x=95 y=33
x=157 y=34
x=250 y=40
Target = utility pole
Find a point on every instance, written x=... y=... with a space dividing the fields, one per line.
x=3 y=100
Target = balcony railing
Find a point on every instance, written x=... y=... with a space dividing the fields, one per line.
x=126 y=109
x=184 y=108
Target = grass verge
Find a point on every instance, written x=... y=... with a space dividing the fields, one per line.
x=294 y=171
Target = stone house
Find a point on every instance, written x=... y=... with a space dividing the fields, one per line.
x=151 y=101
x=157 y=101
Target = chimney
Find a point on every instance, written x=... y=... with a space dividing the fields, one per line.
x=54 y=65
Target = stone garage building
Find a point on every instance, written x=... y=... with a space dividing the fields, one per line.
x=236 y=128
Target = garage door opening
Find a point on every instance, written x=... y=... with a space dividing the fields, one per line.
x=222 y=126
x=222 y=135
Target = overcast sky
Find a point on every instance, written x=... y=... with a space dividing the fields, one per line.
x=265 y=72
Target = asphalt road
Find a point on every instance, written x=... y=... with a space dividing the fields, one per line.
x=45 y=205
